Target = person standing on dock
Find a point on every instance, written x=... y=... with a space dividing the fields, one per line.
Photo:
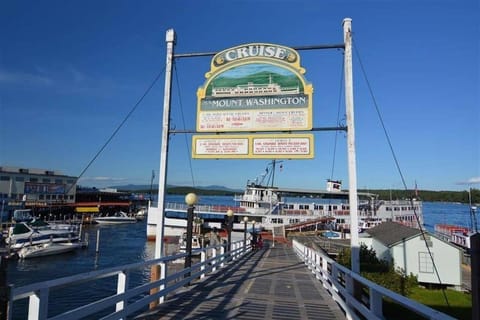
x=214 y=238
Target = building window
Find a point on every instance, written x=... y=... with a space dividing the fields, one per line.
x=33 y=179
x=58 y=181
x=45 y=180
x=4 y=178
x=19 y=179
x=425 y=264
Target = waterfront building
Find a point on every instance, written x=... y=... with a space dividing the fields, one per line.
x=410 y=251
x=34 y=188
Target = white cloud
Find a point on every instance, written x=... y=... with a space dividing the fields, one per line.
x=473 y=180
x=24 y=78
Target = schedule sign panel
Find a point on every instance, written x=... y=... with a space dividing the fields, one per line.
x=258 y=146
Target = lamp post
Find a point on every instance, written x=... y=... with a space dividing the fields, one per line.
x=245 y=221
x=229 y=228
x=190 y=200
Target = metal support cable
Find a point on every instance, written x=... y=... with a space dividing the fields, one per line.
x=183 y=122
x=340 y=91
x=135 y=106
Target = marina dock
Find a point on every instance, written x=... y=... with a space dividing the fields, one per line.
x=268 y=284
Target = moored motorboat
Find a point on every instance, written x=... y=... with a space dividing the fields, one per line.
x=117 y=218
x=22 y=215
x=48 y=249
x=39 y=232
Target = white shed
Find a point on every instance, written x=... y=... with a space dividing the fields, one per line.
x=408 y=249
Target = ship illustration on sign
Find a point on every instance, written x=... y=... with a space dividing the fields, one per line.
x=252 y=89
x=254 y=80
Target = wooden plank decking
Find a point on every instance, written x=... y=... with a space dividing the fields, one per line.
x=269 y=284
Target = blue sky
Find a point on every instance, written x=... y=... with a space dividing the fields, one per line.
x=70 y=71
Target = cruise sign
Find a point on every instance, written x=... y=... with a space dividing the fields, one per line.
x=253 y=88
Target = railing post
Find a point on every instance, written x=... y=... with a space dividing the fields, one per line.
x=163 y=275
x=317 y=265
x=376 y=303
x=235 y=254
x=325 y=268
x=214 y=262
x=203 y=257
x=222 y=256
x=38 y=305
x=122 y=285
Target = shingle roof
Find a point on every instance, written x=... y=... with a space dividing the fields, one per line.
x=389 y=233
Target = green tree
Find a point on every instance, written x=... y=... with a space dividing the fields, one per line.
x=379 y=271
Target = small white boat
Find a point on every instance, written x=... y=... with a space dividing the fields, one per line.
x=119 y=217
x=39 y=232
x=141 y=214
x=48 y=249
x=195 y=243
x=22 y=215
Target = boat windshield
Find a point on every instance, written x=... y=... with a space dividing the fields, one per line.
x=20 y=228
x=38 y=223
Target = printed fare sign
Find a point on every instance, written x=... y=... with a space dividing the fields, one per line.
x=250 y=88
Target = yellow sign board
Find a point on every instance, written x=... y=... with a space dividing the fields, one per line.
x=86 y=209
x=258 y=146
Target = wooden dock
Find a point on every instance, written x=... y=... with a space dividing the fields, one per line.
x=268 y=284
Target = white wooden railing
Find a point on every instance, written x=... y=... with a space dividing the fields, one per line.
x=341 y=282
x=126 y=301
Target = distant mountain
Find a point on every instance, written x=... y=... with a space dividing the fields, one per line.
x=137 y=187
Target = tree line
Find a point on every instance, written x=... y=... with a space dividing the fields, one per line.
x=425 y=195
x=429 y=195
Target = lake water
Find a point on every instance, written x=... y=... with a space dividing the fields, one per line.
x=124 y=244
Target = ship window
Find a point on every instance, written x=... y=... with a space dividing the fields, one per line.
x=335 y=207
x=20 y=179
x=4 y=178
x=45 y=180
x=58 y=181
x=33 y=179
x=396 y=209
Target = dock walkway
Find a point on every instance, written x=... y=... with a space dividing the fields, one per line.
x=268 y=284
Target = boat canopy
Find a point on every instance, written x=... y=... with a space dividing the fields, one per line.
x=20 y=228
